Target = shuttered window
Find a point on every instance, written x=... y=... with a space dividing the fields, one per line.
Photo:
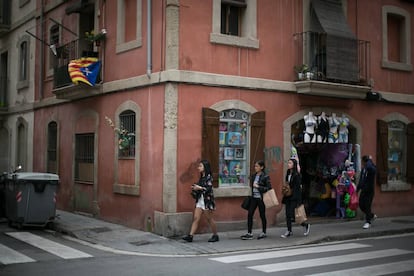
x=395 y=152
x=52 y=147
x=232 y=141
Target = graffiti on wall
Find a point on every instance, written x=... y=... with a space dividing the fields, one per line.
x=273 y=155
x=190 y=173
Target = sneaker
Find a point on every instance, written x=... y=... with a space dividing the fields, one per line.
x=188 y=238
x=247 y=236
x=286 y=234
x=261 y=236
x=366 y=225
x=214 y=238
x=306 y=229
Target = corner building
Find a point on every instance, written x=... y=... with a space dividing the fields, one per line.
x=186 y=80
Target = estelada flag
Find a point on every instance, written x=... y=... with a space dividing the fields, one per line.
x=85 y=69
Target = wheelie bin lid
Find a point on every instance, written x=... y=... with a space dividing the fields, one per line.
x=34 y=176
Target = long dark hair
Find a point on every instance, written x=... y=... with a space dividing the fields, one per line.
x=261 y=163
x=294 y=170
x=207 y=168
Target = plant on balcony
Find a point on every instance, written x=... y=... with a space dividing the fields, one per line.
x=124 y=136
x=95 y=38
x=301 y=70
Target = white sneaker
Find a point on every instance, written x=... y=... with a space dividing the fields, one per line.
x=366 y=225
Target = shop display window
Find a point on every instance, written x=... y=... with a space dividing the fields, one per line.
x=233 y=135
x=396 y=148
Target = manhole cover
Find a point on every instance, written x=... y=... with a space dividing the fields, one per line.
x=403 y=221
x=100 y=229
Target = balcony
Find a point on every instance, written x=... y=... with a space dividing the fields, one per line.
x=335 y=66
x=5 y=16
x=63 y=86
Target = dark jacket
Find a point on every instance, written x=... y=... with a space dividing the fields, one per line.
x=264 y=183
x=367 y=178
x=296 y=187
x=207 y=183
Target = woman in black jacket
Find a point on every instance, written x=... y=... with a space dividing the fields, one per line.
x=204 y=200
x=260 y=184
x=293 y=178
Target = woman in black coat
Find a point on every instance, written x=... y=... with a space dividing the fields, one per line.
x=293 y=178
x=260 y=183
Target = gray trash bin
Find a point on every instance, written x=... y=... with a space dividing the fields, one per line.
x=31 y=198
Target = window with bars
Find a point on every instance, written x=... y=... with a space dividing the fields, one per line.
x=52 y=147
x=84 y=157
x=126 y=139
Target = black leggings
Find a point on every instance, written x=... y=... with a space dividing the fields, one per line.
x=254 y=203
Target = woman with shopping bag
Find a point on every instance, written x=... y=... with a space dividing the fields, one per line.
x=293 y=202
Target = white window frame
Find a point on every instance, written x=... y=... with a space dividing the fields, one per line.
x=122 y=188
x=23 y=83
x=121 y=44
x=396 y=185
x=405 y=64
x=248 y=35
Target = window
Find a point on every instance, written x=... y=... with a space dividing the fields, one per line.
x=21 y=146
x=52 y=147
x=235 y=23
x=23 y=70
x=129 y=18
x=126 y=142
x=232 y=140
x=54 y=40
x=233 y=134
x=3 y=79
x=84 y=157
x=231 y=13
x=395 y=153
x=396 y=38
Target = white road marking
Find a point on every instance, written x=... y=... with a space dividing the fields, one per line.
x=52 y=247
x=373 y=270
x=10 y=256
x=300 y=264
x=286 y=253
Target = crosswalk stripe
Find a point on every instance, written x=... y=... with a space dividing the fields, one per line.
x=299 y=264
x=9 y=256
x=52 y=247
x=373 y=270
x=286 y=253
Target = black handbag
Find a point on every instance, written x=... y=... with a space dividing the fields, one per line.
x=246 y=203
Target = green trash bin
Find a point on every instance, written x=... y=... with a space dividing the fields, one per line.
x=31 y=198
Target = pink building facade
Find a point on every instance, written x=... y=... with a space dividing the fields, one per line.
x=215 y=79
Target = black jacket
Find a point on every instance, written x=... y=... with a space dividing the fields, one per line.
x=295 y=184
x=264 y=183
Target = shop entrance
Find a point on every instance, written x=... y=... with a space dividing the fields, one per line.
x=322 y=166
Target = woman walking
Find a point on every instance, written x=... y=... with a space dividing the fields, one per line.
x=292 y=201
x=203 y=193
x=260 y=184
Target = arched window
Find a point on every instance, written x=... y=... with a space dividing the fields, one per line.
x=126 y=139
x=395 y=151
x=52 y=147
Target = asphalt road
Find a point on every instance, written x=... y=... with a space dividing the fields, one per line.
x=40 y=252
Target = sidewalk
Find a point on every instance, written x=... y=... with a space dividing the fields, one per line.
x=121 y=239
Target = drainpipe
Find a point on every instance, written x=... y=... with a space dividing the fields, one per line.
x=149 y=39
x=42 y=50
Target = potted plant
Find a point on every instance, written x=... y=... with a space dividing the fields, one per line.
x=301 y=70
x=96 y=38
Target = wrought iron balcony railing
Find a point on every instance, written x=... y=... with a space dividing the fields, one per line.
x=333 y=59
x=64 y=54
